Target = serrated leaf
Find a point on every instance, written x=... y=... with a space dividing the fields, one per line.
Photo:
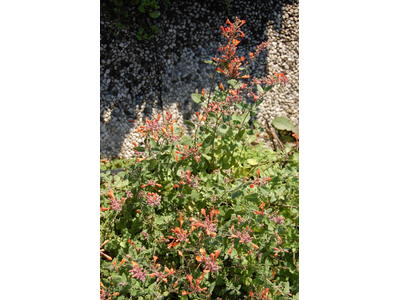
x=197 y=97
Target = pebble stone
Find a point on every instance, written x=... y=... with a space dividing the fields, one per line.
x=140 y=79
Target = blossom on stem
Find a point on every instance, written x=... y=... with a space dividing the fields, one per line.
x=115 y=205
x=190 y=179
x=153 y=199
x=137 y=272
x=181 y=235
x=157 y=273
x=244 y=236
x=102 y=250
x=151 y=183
x=195 y=288
x=210 y=261
x=186 y=152
x=258 y=181
x=255 y=97
x=208 y=223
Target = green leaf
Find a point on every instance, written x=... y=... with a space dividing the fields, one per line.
x=232 y=82
x=123 y=277
x=194 y=196
x=208 y=141
x=252 y=139
x=252 y=197
x=210 y=62
x=235 y=194
x=212 y=286
x=154 y=14
x=186 y=140
x=283 y=123
x=197 y=97
x=153 y=163
x=212 y=115
x=252 y=162
x=287 y=287
x=140 y=149
x=191 y=124
x=223 y=128
x=260 y=89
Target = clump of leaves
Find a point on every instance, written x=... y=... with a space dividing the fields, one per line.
x=206 y=214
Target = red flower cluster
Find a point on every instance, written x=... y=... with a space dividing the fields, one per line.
x=208 y=223
x=186 y=152
x=180 y=235
x=159 y=275
x=210 y=261
x=195 y=288
x=230 y=65
x=258 y=181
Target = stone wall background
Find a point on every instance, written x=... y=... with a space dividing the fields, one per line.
x=142 y=79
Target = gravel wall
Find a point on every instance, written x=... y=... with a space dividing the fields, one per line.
x=142 y=79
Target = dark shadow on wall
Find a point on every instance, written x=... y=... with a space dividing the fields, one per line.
x=256 y=15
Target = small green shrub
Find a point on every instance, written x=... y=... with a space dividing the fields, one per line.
x=207 y=215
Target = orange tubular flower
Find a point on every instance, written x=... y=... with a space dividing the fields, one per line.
x=103 y=209
x=102 y=250
x=120 y=264
x=295 y=136
x=110 y=193
x=163 y=130
x=230 y=250
x=222 y=87
x=254 y=245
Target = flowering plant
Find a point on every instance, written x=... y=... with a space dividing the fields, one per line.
x=209 y=214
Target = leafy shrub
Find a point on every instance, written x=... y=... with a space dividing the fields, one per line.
x=122 y=11
x=210 y=214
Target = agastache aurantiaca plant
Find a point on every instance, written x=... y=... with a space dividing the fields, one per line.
x=180 y=235
x=210 y=261
x=137 y=272
x=208 y=224
x=244 y=236
x=115 y=205
x=157 y=273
